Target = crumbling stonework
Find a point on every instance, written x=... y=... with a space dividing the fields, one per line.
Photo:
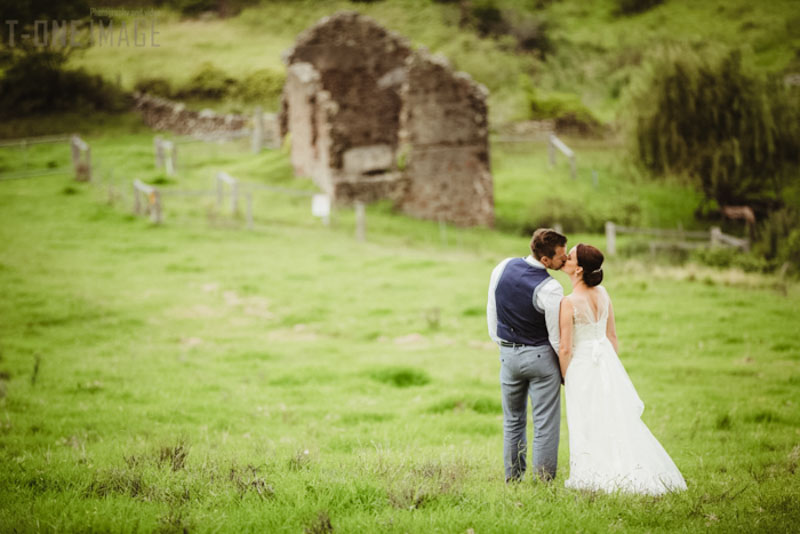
x=445 y=134
x=166 y=115
x=370 y=118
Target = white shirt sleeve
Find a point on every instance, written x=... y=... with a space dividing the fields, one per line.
x=548 y=298
x=491 y=303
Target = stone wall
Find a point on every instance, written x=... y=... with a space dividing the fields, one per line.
x=166 y=115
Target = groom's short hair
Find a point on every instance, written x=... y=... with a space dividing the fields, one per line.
x=545 y=241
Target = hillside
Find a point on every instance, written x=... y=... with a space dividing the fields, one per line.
x=577 y=54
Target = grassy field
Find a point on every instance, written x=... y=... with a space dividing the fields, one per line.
x=199 y=377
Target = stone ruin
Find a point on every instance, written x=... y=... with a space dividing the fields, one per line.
x=371 y=118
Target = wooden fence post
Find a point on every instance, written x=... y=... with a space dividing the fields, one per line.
x=554 y=143
x=611 y=238
x=155 y=205
x=249 y=210
x=225 y=178
x=551 y=151
x=153 y=196
x=258 y=130
x=361 y=223
x=137 y=203
x=171 y=153
x=716 y=236
x=235 y=196
x=159 y=152
x=81 y=159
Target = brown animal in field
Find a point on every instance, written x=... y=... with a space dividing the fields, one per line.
x=739 y=212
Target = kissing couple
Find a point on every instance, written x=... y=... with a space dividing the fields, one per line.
x=546 y=340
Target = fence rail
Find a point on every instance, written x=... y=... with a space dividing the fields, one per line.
x=35 y=140
x=677 y=238
x=554 y=143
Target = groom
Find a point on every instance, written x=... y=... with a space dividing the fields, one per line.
x=522 y=314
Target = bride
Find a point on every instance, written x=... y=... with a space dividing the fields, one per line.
x=610 y=448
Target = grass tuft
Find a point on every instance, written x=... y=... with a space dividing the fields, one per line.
x=174 y=456
x=401 y=377
x=320 y=525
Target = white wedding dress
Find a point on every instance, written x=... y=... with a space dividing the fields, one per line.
x=610 y=448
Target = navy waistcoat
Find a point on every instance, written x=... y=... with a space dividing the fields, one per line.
x=519 y=319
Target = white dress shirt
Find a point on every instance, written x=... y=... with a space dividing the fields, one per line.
x=548 y=298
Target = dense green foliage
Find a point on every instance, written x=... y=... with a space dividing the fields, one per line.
x=34 y=78
x=633 y=7
x=779 y=237
x=261 y=87
x=199 y=377
x=711 y=119
x=37 y=84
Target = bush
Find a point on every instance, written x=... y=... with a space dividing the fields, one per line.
x=487 y=18
x=191 y=8
x=732 y=133
x=532 y=34
x=634 y=7
x=529 y=32
x=154 y=86
x=258 y=86
x=208 y=82
x=779 y=237
x=569 y=112
x=726 y=257
x=37 y=83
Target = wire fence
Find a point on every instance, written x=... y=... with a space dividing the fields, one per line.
x=17 y=157
x=228 y=202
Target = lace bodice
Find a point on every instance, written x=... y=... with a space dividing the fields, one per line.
x=590 y=324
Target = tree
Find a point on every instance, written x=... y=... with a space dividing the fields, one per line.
x=733 y=133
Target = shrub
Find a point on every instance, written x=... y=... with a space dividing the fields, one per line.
x=735 y=135
x=208 y=82
x=38 y=83
x=192 y=8
x=569 y=112
x=725 y=257
x=263 y=84
x=634 y=7
x=529 y=32
x=154 y=86
x=487 y=18
x=779 y=237
x=532 y=34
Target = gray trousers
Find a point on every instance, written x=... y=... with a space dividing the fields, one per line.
x=530 y=372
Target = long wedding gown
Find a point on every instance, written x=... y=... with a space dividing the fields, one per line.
x=610 y=448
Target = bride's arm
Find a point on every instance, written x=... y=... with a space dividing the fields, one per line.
x=565 y=327
x=611 y=328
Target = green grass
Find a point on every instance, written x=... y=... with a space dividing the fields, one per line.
x=196 y=376
x=529 y=193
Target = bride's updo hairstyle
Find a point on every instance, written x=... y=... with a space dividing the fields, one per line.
x=591 y=259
